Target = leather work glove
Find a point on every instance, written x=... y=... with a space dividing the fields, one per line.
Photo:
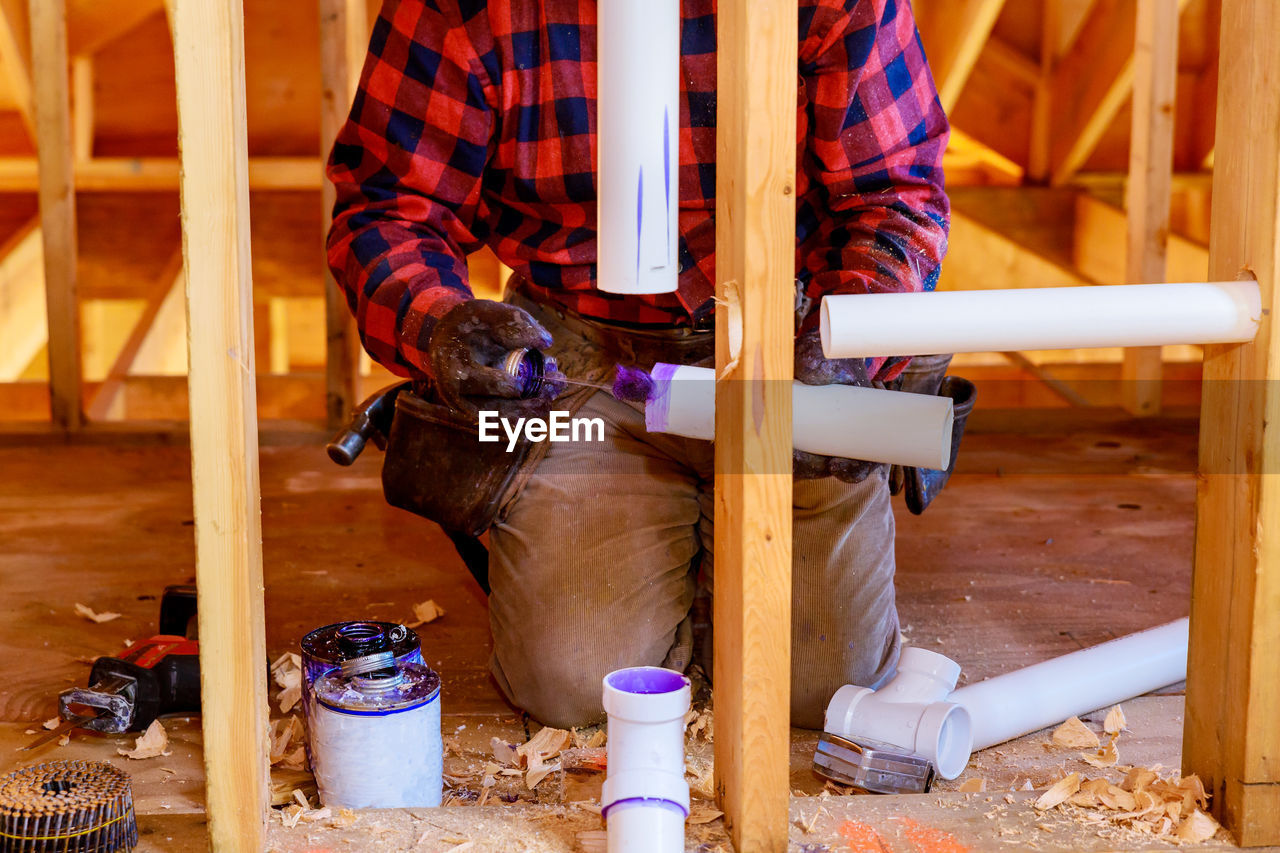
x=813 y=368
x=466 y=351
x=927 y=374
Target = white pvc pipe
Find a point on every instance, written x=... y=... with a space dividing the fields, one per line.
x=645 y=798
x=911 y=711
x=638 y=124
x=915 y=710
x=1128 y=315
x=894 y=427
x=1030 y=699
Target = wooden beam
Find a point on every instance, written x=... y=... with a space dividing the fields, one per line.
x=1230 y=737
x=209 y=58
x=108 y=399
x=14 y=59
x=755 y=270
x=23 y=325
x=1041 y=143
x=1155 y=91
x=145 y=174
x=1099 y=246
x=953 y=33
x=57 y=206
x=1092 y=82
x=344 y=39
x=82 y=108
x=94 y=23
x=1045 y=375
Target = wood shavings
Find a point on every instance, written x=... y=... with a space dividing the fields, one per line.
x=975 y=785
x=1074 y=734
x=538 y=752
x=149 y=744
x=700 y=813
x=424 y=612
x=52 y=723
x=700 y=724
x=286 y=671
x=99 y=618
x=66 y=739
x=700 y=774
x=1059 y=793
x=539 y=772
x=593 y=840
x=1107 y=756
x=1197 y=828
x=286 y=738
x=503 y=752
x=1115 y=721
x=585 y=758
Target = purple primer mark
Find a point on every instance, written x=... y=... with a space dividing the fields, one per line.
x=639 y=220
x=657 y=411
x=666 y=166
x=647 y=680
x=631 y=384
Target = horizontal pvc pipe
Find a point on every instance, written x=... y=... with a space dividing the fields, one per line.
x=1045 y=694
x=1128 y=315
x=645 y=798
x=638 y=121
x=894 y=427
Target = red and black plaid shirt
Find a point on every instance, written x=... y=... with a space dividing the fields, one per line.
x=475 y=123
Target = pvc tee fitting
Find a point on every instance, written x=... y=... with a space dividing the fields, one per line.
x=646 y=799
x=909 y=712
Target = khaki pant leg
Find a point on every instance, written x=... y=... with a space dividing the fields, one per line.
x=590 y=568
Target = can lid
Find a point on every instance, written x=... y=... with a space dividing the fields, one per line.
x=411 y=686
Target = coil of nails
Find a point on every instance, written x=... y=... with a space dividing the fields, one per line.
x=69 y=807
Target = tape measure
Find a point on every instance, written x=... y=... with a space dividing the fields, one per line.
x=878 y=768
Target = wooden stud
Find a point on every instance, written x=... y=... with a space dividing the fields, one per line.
x=82 y=108
x=146 y=174
x=108 y=401
x=57 y=207
x=1155 y=90
x=1039 y=148
x=22 y=306
x=209 y=56
x=344 y=39
x=1230 y=737
x=953 y=33
x=14 y=63
x=1093 y=81
x=755 y=269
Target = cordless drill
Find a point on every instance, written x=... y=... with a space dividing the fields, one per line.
x=158 y=675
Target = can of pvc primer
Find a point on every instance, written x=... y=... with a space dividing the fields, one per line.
x=374 y=722
x=324 y=649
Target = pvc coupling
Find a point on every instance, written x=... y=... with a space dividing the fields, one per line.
x=910 y=712
x=645 y=799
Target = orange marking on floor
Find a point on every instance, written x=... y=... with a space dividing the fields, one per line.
x=861 y=838
x=926 y=839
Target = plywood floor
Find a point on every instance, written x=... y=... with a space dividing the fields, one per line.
x=1061 y=530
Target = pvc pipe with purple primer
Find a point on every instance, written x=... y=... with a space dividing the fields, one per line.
x=638 y=124
x=645 y=798
x=894 y=427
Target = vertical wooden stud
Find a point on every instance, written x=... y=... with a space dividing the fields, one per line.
x=1231 y=737
x=755 y=270
x=344 y=38
x=1155 y=89
x=48 y=21
x=209 y=55
x=82 y=108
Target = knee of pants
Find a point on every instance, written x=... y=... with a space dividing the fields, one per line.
x=560 y=684
x=823 y=665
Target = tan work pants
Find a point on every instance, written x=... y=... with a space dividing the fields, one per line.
x=593 y=569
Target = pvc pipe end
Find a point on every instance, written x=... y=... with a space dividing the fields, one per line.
x=932 y=664
x=839 y=715
x=945 y=736
x=824 y=327
x=646 y=694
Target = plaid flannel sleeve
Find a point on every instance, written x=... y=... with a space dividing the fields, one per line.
x=407 y=189
x=874 y=215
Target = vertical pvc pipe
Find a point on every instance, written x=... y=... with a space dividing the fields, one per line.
x=645 y=799
x=638 y=123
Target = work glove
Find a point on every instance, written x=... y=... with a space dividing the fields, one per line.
x=466 y=352
x=813 y=368
x=927 y=374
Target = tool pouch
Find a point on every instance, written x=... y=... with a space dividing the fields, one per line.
x=437 y=467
